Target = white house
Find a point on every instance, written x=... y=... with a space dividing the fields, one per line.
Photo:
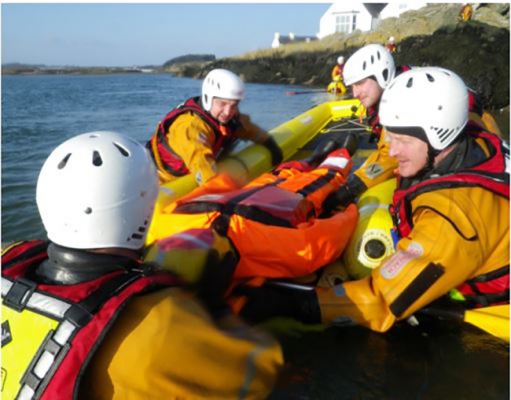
x=347 y=16
x=279 y=39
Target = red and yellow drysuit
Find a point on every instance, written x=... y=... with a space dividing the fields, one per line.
x=337 y=72
x=130 y=333
x=466 y=13
x=391 y=47
x=189 y=140
x=273 y=221
x=454 y=234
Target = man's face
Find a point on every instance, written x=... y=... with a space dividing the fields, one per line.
x=223 y=110
x=367 y=91
x=411 y=153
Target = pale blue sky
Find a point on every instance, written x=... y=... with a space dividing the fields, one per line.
x=126 y=34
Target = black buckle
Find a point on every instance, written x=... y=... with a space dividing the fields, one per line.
x=19 y=294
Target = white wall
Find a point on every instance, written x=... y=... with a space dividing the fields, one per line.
x=364 y=21
x=327 y=23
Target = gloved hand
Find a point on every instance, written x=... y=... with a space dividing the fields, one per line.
x=275 y=151
x=214 y=282
x=344 y=196
x=270 y=301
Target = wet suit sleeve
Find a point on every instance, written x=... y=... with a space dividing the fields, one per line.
x=192 y=140
x=426 y=266
x=165 y=345
x=336 y=73
x=250 y=131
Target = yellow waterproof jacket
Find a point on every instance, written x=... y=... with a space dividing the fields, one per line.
x=379 y=166
x=193 y=140
x=337 y=73
x=458 y=234
x=466 y=13
x=164 y=345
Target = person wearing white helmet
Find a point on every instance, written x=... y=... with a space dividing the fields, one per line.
x=338 y=69
x=451 y=208
x=391 y=45
x=84 y=317
x=191 y=137
x=369 y=71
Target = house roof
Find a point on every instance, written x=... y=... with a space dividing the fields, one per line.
x=284 y=39
x=375 y=8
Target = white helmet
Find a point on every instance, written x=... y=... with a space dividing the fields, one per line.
x=340 y=60
x=221 y=83
x=370 y=60
x=97 y=190
x=429 y=103
x=391 y=39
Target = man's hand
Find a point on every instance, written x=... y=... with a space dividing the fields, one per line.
x=275 y=151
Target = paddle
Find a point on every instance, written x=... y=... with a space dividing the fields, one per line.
x=306 y=92
x=493 y=319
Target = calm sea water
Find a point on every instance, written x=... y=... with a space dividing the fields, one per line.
x=436 y=360
x=40 y=112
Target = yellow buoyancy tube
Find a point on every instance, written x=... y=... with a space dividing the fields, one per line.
x=372 y=241
x=373 y=238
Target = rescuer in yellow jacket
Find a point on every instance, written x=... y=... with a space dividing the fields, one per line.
x=83 y=316
x=466 y=12
x=369 y=71
x=451 y=208
x=337 y=69
x=192 y=136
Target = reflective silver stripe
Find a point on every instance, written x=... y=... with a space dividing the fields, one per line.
x=40 y=302
x=64 y=332
x=26 y=393
x=6 y=286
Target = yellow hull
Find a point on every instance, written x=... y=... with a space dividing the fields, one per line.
x=254 y=160
x=337 y=88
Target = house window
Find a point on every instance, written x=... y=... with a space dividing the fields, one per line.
x=345 y=23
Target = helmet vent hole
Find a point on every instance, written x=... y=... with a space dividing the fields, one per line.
x=440 y=108
x=137 y=236
x=122 y=150
x=409 y=84
x=378 y=54
x=96 y=159
x=88 y=210
x=430 y=78
x=385 y=74
x=372 y=59
x=64 y=161
x=364 y=65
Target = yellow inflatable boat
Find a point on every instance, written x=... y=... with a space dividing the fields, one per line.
x=296 y=137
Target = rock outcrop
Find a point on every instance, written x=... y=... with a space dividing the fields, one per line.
x=477 y=50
